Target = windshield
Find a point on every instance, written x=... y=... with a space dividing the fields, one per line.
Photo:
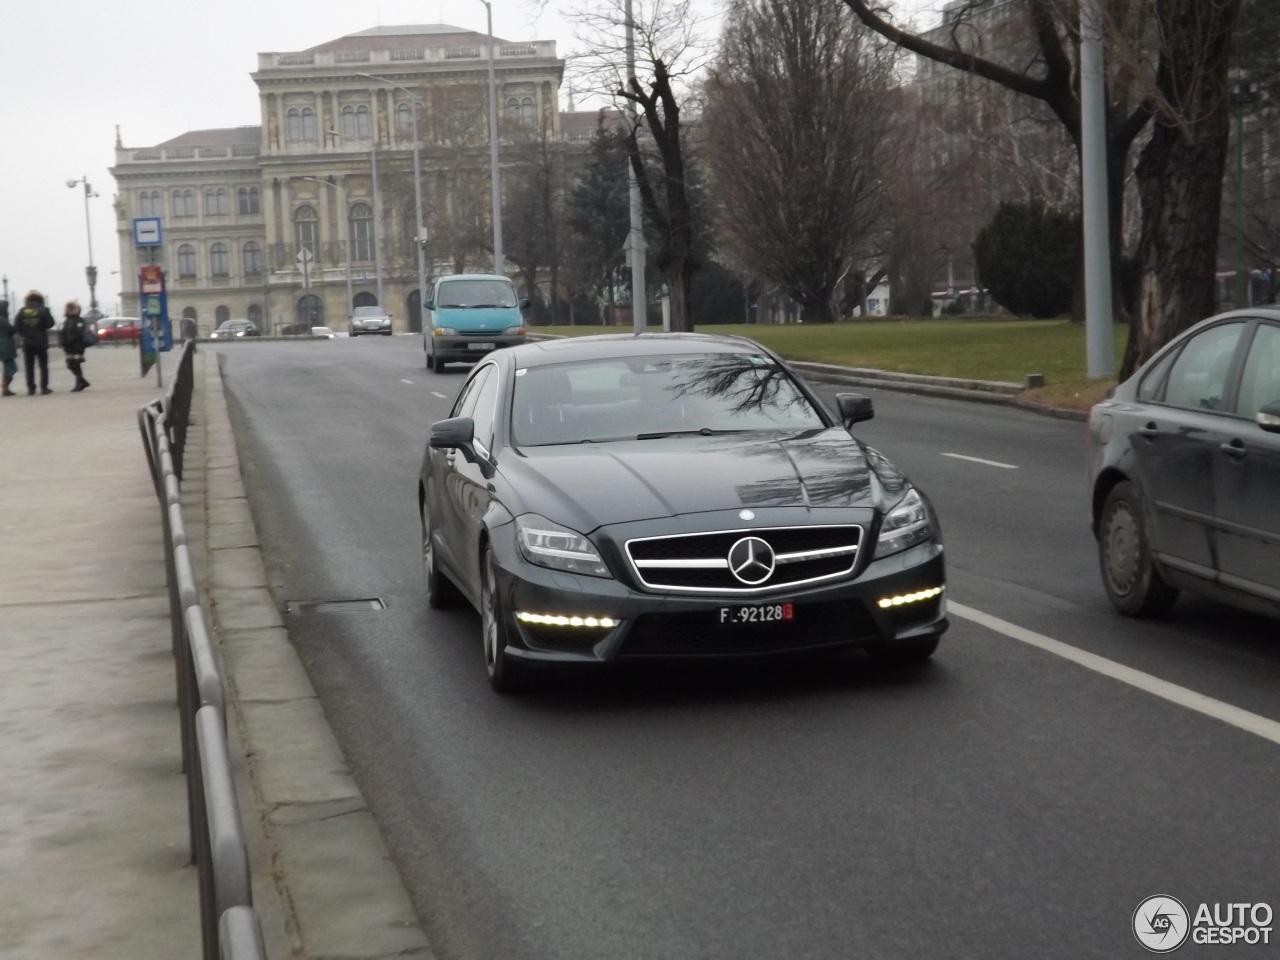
x=476 y=293
x=644 y=398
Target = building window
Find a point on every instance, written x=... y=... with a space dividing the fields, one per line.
x=221 y=315
x=305 y=229
x=355 y=123
x=361 y=232
x=184 y=203
x=249 y=203
x=293 y=123
x=404 y=118
x=513 y=109
x=526 y=111
x=215 y=201
x=254 y=315
x=252 y=259
x=149 y=203
x=219 y=262
x=308 y=124
x=186 y=262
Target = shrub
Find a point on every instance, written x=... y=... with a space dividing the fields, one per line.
x=1026 y=257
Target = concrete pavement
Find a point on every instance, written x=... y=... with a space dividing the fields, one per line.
x=93 y=830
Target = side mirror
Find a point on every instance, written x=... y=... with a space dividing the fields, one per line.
x=1268 y=418
x=854 y=408
x=526 y=303
x=456 y=433
x=428 y=305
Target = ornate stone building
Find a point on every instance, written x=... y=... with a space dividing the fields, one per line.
x=259 y=221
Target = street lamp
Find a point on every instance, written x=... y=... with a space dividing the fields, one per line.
x=346 y=240
x=417 y=187
x=377 y=213
x=1242 y=95
x=498 y=259
x=91 y=272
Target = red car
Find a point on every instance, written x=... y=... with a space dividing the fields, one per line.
x=119 y=328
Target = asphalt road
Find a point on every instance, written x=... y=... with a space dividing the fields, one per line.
x=1005 y=801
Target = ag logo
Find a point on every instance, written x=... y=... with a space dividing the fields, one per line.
x=1161 y=924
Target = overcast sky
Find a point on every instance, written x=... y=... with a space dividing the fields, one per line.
x=74 y=69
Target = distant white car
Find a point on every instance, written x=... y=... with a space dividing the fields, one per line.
x=324 y=333
x=369 y=320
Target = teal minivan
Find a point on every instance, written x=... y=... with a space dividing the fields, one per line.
x=468 y=315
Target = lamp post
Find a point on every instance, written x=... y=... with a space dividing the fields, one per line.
x=377 y=212
x=498 y=259
x=635 y=246
x=420 y=238
x=346 y=240
x=91 y=272
x=1242 y=95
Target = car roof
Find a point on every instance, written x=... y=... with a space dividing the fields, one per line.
x=474 y=276
x=604 y=346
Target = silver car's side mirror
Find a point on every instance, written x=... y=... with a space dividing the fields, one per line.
x=1268 y=418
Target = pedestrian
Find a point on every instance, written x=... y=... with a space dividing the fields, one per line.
x=8 y=350
x=33 y=322
x=71 y=338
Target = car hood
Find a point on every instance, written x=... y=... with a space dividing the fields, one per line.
x=478 y=319
x=590 y=485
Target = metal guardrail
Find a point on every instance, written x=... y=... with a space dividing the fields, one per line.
x=229 y=925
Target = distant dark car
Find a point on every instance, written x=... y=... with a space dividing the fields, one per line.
x=1184 y=460
x=677 y=496
x=119 y=328
x=230 y=329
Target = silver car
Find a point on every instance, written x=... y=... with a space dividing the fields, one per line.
x=369 y=320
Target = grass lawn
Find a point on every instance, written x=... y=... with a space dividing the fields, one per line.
x=980 y=349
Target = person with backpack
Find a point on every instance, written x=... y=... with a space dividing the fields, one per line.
x=33 y=322
x=72 y=339
x=8 y=351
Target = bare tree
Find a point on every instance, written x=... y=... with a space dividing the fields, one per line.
x=798 y=117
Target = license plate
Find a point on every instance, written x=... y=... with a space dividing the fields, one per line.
x=482 y=346
x=757 y=613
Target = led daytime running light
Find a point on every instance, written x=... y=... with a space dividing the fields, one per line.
x=556 y=620
x=898 y=601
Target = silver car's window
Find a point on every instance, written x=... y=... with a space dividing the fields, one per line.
x=1260 y=382
x=1149 y=389
x=486 y=405
x=467 y=399
x=626 y=399
x=1198 y=379
x=476 y=293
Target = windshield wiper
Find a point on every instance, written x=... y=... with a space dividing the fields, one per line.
x=704 y=432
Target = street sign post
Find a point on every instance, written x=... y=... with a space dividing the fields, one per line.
x=304 y=259
x=157 y=334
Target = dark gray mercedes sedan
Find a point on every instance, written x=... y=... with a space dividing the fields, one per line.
x=675 y=495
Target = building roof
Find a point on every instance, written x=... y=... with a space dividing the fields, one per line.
x=405 y=37
x=218 y=137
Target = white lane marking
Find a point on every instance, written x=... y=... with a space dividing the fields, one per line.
x=402 y=380
x=1198 y=702
x=989 y=463
x=440 y=395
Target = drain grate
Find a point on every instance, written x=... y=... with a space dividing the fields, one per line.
x=337 y=606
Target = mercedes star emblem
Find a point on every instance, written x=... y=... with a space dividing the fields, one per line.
x=751 y=561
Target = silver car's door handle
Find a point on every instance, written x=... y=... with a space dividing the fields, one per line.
x=1235 y=449
x=1149 y=431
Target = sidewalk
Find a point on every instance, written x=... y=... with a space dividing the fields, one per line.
x=93 y=827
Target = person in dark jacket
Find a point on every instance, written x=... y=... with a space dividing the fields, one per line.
x=71 y=337
x=33 y=323
x=8 y=351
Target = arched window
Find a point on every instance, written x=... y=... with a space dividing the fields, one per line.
x=221 y=315
x=404 y=118
x=305 y=229
x=215 y=201
x=348 y=123
x=190 y=313
x=361 y=217
x=362 y=122
x=184 y=203
x=219 y=262
x=252 y=254
x=149 y=203
x=308 y=124
x=364 y=299
x=293 y=123
x=254 y=315
x=513 y=110
x=186 y=262
x=249 y=203
x=311 y=311
x=526 y=111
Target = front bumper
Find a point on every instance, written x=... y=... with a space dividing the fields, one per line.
x=835 y=614
x=467 y=349
x=358 y=329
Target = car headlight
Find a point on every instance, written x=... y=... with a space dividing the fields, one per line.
x=445 y=332
x=513 y=332
x=905 y=525
x=548 y=544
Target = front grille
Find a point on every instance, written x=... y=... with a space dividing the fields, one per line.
x=701 y=634
x=699 y=563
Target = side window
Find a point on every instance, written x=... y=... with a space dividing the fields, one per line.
x=1260 y=382
x=485 y=409
x=467 y=399
x=1198 y=379
x=1149 y=389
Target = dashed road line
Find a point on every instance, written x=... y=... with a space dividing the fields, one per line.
x=989 y=463
x=440 y=395
x=402 y=380
x=1237 y=717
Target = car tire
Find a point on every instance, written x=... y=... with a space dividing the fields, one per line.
x=440 y=365
x=506 y=675
x=1129 y=573
x=431 y=360
x=914 y=650
x=441 y=591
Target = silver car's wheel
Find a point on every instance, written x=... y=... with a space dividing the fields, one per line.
x=1129 y=574
x=505 y=675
